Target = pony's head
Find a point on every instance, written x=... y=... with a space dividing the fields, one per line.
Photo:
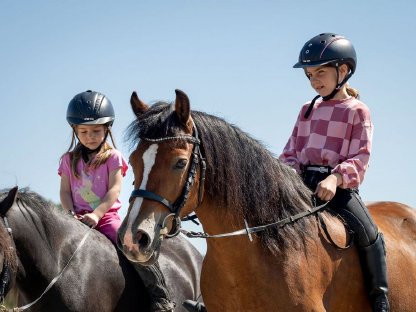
x=167 y=164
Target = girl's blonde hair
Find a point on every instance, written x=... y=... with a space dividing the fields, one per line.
x=75 y=152
x=352 y=92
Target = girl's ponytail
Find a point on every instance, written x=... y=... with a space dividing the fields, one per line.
x=352 y=92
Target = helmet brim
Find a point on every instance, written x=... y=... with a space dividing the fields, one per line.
x=312 y=64
x=99 y=121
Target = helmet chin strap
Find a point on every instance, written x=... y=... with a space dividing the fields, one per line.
x=85 y=151
x=329 y=96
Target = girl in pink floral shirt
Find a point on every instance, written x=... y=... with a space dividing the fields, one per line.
x=91 y=173
x=330 y=147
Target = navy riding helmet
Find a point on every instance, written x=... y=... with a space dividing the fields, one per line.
x=90 y=108
x=325 y=49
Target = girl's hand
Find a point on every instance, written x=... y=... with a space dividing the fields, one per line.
x=327 y=188
x=90 y=219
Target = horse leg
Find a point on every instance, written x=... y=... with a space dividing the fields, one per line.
x=154 y=281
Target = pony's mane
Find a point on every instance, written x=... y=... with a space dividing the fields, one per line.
x=38 y=209
x=37 y=202
x=242 y=175
x=26 y=198
x=30 y=198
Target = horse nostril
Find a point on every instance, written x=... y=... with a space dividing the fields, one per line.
x=143 y=239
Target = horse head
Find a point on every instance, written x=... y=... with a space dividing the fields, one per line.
x=167 y=165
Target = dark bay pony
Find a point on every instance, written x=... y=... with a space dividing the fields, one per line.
x=292 y=267
x=98 y=278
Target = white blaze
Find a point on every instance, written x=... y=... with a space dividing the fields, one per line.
x=149 y=159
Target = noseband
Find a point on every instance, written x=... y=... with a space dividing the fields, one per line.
x=176 y=207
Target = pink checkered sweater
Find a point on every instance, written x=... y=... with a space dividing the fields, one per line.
x=338 y=133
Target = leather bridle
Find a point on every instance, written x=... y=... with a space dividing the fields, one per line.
x=175 y=208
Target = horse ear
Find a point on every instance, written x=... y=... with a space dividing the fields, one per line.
x=183 y=107
x=137 y=105
x=8 y=201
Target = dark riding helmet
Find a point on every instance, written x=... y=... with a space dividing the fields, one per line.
x=328 y=49
x=90 y=108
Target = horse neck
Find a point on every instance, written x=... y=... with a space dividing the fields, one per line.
x=215 y=218
x=37 y=240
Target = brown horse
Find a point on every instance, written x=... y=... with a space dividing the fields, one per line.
x=290 y=266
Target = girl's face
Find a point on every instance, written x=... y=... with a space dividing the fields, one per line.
x=91 y=136
x=323 y=79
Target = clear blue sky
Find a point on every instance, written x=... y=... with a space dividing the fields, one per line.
x=233 y=58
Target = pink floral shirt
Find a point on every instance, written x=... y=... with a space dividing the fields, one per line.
x=338 y=133
x=92 y=185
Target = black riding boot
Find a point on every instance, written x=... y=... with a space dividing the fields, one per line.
x=194 y=306
x=153 y=279
x=373 y=259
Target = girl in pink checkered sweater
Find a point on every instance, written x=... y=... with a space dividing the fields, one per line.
x=330 y=148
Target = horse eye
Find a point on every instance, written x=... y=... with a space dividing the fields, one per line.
x=181 y=164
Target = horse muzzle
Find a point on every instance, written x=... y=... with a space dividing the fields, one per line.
x=141 y=243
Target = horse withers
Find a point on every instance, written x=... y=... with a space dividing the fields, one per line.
x=97 y=278
x=190 y=161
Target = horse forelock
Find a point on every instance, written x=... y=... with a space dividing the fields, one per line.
x=158 y=122
x=242 y=175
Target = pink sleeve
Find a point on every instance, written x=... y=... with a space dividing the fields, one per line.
x=117 y=161
x=64 y=165
x=289 y=154
x=354 y=167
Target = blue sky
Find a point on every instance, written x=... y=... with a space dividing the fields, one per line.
x=233 y=58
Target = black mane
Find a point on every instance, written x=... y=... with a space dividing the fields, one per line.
x=30 y=199
x=242 y=174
